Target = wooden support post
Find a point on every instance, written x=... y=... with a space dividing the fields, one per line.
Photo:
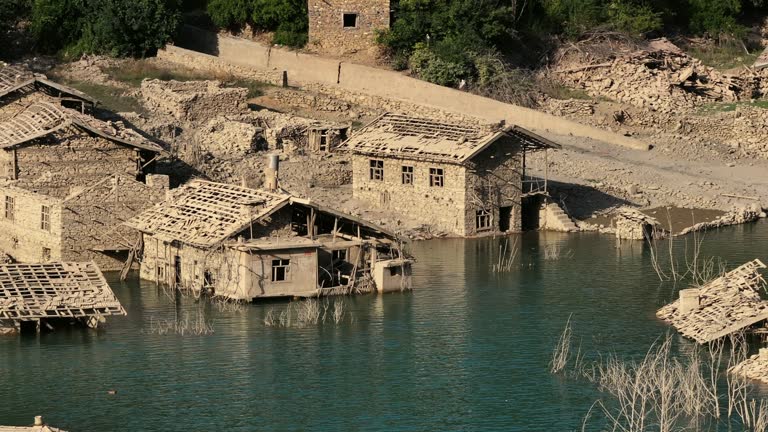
x=358 y=232
x=312 y=216
x=335 y=227
x=546 y=169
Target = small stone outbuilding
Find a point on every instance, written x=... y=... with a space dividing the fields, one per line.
x=346 y=26
x=462 y=179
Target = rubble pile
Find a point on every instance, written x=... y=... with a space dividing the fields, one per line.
x=660 y=80
x=230 y=138
x=193 y=100
x=755 y=367
x=736 y=216
x=632 y=224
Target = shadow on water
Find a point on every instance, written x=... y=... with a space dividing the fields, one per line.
x=468 y=349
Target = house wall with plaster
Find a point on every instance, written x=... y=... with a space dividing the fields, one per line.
x=236 y=274
x=345 y=26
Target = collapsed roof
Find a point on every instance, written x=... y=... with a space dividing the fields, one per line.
x=55 y=290
x=204 y=214
x=14 y=78
x=43 y=118
x=727 y=305
x=408 y=137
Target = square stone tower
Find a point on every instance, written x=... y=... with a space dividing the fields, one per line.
x=346 y=26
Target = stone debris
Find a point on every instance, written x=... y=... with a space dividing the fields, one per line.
x=193 y=100
x=632 y=224
x=734 y=217
x=755 y=367
x=227 y=138
x=658 y=80
x=725 y=305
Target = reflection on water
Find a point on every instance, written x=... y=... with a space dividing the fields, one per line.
x=466 y=350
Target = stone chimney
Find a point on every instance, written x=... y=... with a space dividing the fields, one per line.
x=272 y=173
x=689 y=300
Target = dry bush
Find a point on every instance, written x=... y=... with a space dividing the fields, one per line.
x=507 y=257
x=195 y=324
x=309 y=312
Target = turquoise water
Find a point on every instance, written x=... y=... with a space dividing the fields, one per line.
x=467 y=350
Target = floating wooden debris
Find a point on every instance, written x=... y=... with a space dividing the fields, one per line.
x=725 y=305
x=37 y=293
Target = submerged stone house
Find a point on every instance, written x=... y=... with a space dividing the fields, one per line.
x=20 y=88
x=244 y=244
x=465 y=180
x=67 y=181
x=345 y=26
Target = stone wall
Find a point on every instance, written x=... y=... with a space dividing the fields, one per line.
x=494 y=182
x=389 y=87
x=441 y=207
x=22 y=236
x=330 y=32
x=193 y=100
x=92 y=220
x=212 y=64
x=65 y=159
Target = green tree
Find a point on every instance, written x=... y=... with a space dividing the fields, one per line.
x=115 y=27
x=230 y=14
x=715 y=16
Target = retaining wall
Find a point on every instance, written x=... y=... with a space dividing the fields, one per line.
x=358 y=80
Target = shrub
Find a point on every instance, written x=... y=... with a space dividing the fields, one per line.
x=230 y=13
x=633 y=19
x=715 y=16
x=116 y=27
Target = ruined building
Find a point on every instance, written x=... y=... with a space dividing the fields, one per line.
x=346 y=26
x=40 y=296
x=465 y=180
x=68 y=180
x=20 y=88
x=243 y=244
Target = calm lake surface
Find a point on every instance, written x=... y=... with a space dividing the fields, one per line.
x=467 y=350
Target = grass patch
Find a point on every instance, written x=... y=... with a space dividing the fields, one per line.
x=557 y=90
x=110 y=98
x=134 y=72
x=723 y=57
x=718 y=107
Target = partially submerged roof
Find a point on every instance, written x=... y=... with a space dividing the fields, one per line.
x=406 y=137
x=204 y=214
x=55 y=290
x=727 y=305
x=42 y=119
x=14 y=78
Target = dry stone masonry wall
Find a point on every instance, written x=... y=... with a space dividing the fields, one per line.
x=346 y=26
x=193 y=100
